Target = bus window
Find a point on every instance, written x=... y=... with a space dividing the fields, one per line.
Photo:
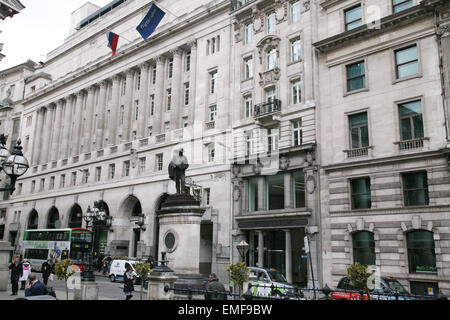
x=36 y=254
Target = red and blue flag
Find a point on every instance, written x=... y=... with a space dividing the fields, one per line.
x=113 y=39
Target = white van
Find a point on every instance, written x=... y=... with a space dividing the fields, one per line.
x=118 y=268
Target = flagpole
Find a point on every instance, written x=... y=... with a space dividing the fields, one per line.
x=159 y=5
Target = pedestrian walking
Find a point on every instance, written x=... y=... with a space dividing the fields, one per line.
x=215 y=285
x=35 y=287
x=47 y=270
x=128 y=278
x=26 y=266
x=16 y=272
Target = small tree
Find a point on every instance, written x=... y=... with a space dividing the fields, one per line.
x=142 y=270
x=64 y=270
x=359 y=276
x=238 y=274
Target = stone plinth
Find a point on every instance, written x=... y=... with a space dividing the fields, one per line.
x=86 y=291
x=156 y=283
x=179 y=233
x=5 y=250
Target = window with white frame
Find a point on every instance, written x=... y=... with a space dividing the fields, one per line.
x=248 y=104
x=212 y=113
x=51 y=185
x=353 y=17
x=152 y=104
x=295 y=11
x=142 y=164
x=188 y=61
x=248 y=67
x=168 y=99
x=186 y=93
x=98 y=174
x=270 y=94
x=211 y=152
x=296 y=91
x=154 y=75
x=272 y=139
x=206 y=196
x=297 y=132
x=271 y=23
x=249 y=33
x=112 y=170
x=296 y=50
x=213 y=81
x=170 y=68
x=250 y=143
x=271 y=58
x=159 y=162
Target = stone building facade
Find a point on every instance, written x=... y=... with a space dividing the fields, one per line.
x=383 y=120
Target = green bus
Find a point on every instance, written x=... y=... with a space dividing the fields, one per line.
x=43 y=244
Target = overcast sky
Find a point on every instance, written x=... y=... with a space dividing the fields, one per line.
x=38 y=29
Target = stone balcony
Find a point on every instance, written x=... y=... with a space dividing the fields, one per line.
x=412 y=144
x=267 y=113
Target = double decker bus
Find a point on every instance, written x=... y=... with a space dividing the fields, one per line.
x=43 y=244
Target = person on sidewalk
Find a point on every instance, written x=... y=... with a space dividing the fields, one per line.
x=26 y=272
x=47 y=269
x=215 y=285
x=16 y=272
x=128 y=278
x=35 y=287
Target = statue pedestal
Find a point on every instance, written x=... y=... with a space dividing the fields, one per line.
x=179 y=233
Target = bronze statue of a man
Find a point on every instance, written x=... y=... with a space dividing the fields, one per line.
x=177 y=168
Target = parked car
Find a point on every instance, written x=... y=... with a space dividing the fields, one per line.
x=385 y=288
x=271 y=282
x=118 y=268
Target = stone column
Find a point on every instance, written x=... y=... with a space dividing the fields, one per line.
x=287 y=190
x=76 y=133
x=101 y=107
x=192 y=81
x=87 y=136
x=66 y=127
x=115 y=105
x=47 y=134
x=261 y=193
x=37 y=143
x=260 y=249
x=143 y=101
x=159 y=95
x=128 y=106
x=57 y=131
x=175 y=112
x=288 y=256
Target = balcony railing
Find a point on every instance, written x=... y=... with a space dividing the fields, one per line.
x=358 y=152
x=411 y=144
x=210 y=125
x=267 y=108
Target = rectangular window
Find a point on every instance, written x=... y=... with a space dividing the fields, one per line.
x=211 y=152
x=297 y=132
x=42 y=185
x=136 y=110
x=19 y=190
x=134 y=135
x=62 y=181
x=353 y=18
x=185 y=122
x=85 y=176
x=298 y=186
x=275 y=192
x=212 y=113
x=250 y=143
x=249 y=33
x=248 y=65
x=207 y=196
x=186 y=93
x=360 y=193
x=272 y=139
x=142 y=164
x=152 y=104
x=271 y=59
x=167 y=126
x=400 y=5
x=188 y=61
x=170 y=68
x=252 y=194
x=356 y=76
x=33 y=186
x=415 y=189
x=124 y=86
x=271 y=23
x=411 y=121
x=154 y=75
x=112 y=171
x=295 y=11
x=159 y=162
x=296 y=92
x=248 y=102
x=51 y=185
x=126 y=168
x=359 y=130
x=138 y=81
x=149 y=131
x=169 y=99
x=296 y=50
x=406 y=62
x=122 y=114
x=270 y=94
x=213 y=82
x=98 y=174
x=74 y=179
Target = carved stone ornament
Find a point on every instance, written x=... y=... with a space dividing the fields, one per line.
x=280 y=13
x=310 y=184
x=236 y=193
x=284 y=162
x=236 y=170
x=257 y=24
x=306 y=5
x=269 y=77
x=257 y=168
x=265 y=43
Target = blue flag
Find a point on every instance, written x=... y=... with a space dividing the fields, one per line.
x=150 y=21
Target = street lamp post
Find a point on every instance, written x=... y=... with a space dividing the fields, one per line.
x=93 y=215
x=13 y=164
x=242 y=247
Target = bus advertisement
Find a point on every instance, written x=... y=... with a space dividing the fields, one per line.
x=43 y=244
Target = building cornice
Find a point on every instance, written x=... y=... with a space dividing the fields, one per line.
x=386 y=24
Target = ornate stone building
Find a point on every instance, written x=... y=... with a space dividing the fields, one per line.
x=9 y=8
x=384 y=121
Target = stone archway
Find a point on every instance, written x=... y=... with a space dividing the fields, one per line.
x=75 y=217
x=131 y=207
x=53 y=221
x=33 y=220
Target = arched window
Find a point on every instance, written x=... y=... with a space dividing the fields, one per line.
x=53 y=216
x=364 y=248
x=76 y=217
x=33 y=220
x=421 y=254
